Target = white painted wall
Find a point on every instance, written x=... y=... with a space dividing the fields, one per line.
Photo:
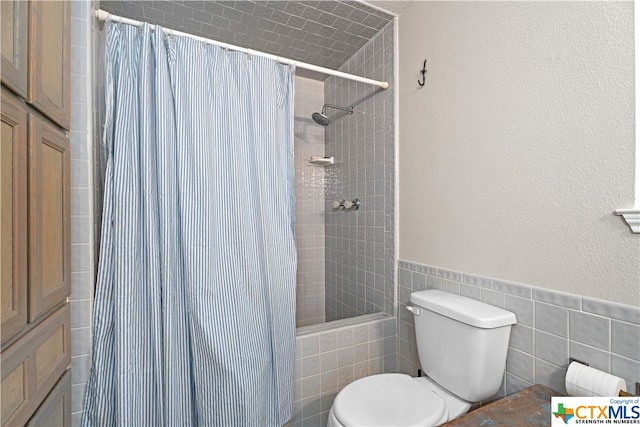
x=516 y=152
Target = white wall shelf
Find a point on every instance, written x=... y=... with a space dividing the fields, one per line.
x=632 y=216
x=321 y=161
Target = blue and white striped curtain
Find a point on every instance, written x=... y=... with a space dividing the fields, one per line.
x=194 y=318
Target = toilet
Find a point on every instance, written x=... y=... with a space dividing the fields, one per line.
x=462 y=346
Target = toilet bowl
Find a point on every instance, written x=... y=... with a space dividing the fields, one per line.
x=462 y=345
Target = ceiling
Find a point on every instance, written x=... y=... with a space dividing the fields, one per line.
x=325 y=33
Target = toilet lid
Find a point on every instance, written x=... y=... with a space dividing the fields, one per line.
x=388 y=400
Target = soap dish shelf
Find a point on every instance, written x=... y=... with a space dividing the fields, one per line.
x=321 y=161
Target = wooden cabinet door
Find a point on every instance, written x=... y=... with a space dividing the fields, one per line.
x=55 y=411
x=49 y=59
x=49 y=217
x=15 y=45
x=32 y=366
x=13 y=220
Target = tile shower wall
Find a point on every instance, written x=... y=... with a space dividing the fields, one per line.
x=325 y=33
x=82 y=206
x=328 y=360
x=309 y=196
x=552 y=327
x=359 y=252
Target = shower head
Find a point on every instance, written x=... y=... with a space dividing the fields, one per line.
x=322 y=119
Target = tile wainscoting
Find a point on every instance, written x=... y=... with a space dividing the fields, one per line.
x=329 y=357
x=552 y=327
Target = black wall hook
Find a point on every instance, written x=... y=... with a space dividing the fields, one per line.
x=423 y=71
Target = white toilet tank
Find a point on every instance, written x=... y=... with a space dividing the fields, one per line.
x=462 y=343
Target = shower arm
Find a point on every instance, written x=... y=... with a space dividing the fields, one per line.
x=337 y=107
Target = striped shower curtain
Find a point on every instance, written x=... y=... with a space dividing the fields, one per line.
x=194 y=308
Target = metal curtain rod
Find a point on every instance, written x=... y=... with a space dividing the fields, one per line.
x=103 y=15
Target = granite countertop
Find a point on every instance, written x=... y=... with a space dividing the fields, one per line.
x=528 y=407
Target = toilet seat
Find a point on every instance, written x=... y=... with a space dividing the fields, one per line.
x=388 y=400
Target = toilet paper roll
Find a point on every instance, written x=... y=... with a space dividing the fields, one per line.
x=582 y=380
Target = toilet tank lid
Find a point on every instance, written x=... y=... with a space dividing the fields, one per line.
x=462 y=309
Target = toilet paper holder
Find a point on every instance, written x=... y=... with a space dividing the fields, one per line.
x=622 y=392
x=627 y=394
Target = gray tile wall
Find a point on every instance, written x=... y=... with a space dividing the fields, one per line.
x=359 y=244
x=82 y=202
x=309 y=196
x=328 y=360
x=552 y=327
x=325 y=33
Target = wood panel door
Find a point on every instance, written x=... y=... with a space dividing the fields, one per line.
x=32 y=366
x=49 y=209
x=13 y=220
x=15 y=21
x=49 y=60
x=55 y=411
